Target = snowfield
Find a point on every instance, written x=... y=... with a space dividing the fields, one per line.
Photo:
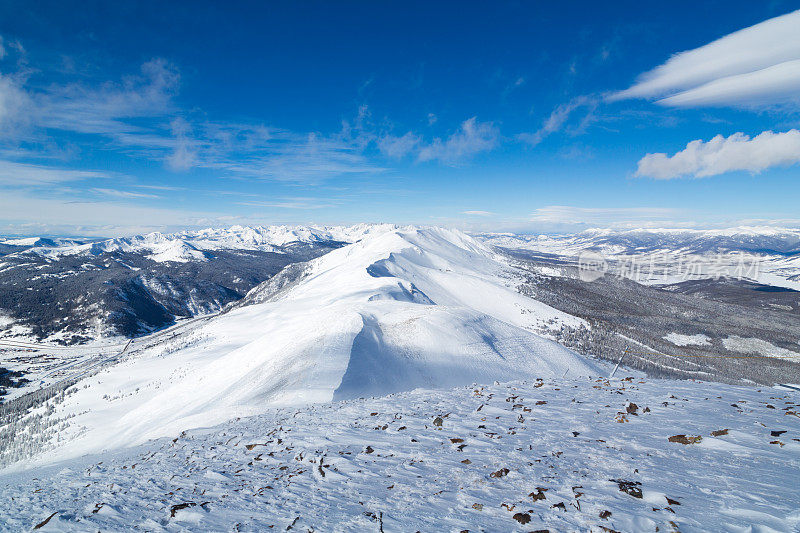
x=557 y=454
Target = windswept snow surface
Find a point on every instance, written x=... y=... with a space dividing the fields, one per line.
x=398 y=310
x=557 y=454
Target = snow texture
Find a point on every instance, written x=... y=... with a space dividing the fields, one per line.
x=558 y=454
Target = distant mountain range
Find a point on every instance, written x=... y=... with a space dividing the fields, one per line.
x=765 y=240
x=764 y=254
x=73 y=290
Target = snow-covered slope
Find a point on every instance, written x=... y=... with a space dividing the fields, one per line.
x=557 y=455
x=399 y=309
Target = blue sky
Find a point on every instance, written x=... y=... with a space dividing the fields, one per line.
x=118 y=118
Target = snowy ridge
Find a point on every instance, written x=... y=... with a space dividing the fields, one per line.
x=399 y=309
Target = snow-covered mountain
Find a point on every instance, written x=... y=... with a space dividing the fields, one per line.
x=74 y=291
x=197 y=245
x=766 y=240
x=763 y=254
x=399 y=309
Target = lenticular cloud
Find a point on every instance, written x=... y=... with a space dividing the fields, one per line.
x=725 y=154
x=759 y=65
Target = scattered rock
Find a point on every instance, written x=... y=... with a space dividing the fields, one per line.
x=177 y=507
x=500 y=473
x=477 y=506
x=438 y=421
x=538 y=495
x=45 y=521
x=605 y=514
x=683 y=439
x=522 y=518
x=719 y=432
x=629 y=487
x=777 y=433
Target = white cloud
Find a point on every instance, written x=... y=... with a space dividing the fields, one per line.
x=478 y=213
x=310 y=159
x=104 y=110
x=398 y=147
x=293 y=203
x=771 y=85
x=161 y=187
x=472 y=138
x=751 y=67
x=14 y=102
x=558 y=118
x=21 y=213
x=122 y=194
x=136 y=116
x=725 y=154
x=184 y=155
x=21 y=174
x=601 y=215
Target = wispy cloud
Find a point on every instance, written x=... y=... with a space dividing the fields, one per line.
x=30 y=214
x=161 y=187
x=756 y=66
x=471 y=138
x=22 y=174
x=137 y=116
x=106 y=109
x=601 y=215
x=184 y=154
x=725 y=154
x=14 y=104
x=558 y=119
x=477 y=213
x=293 y=203
x=122 y=194
x=399 y=147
